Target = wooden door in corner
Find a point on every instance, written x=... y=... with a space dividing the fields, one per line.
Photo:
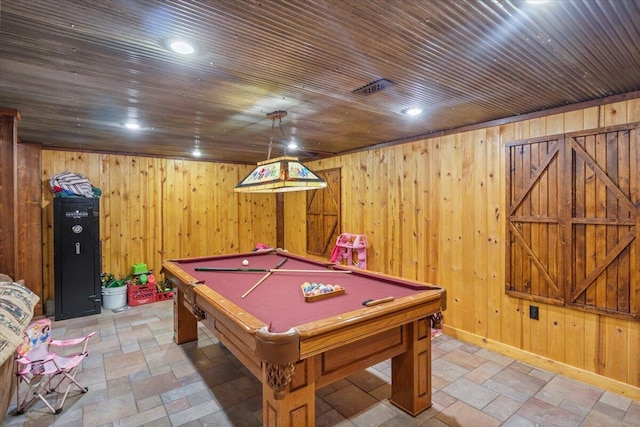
x=323 y=215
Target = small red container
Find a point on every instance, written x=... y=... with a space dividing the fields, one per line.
x=140 y=294
x=163 y=296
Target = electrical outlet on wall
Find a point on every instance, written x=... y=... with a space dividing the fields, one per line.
x=533 y=312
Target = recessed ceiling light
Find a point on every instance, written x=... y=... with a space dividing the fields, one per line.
x=412 y=111
x=132 y=126
x=181 y=47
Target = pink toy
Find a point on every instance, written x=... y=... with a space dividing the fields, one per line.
x=348 y=243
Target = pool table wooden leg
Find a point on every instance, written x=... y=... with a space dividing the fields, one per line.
x=297 y=407
x=411 y=370
x=185 y=324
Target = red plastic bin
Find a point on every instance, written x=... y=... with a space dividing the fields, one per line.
x=140 y=294
x=163 y=296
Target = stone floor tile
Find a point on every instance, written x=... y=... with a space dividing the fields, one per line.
x=109 y=411
x=561 y=388
x=464 y=359
x=598 y=419
x=610 y=411
x=494 y=357
x=462 y=414
x=149 y=403
x=141 y=418
x=518 y=421
x=447 y=344
x=155 y=385
x=193 y=413
x=633 y=414
x=483 y=372
x=470 y=393
x=333 y=418
x=383 y=392
x=443 y=399
x=350 y=401
x=368 y=379
x=446 y=370
x=501 y=408
x=232 y=416
x=373 y=416
x=124 y=365
x=515 y=384
x=434 y=422
x=177 y=405
x=438 y=383
x=616 y=400
x=235 y=391
x=544 y=414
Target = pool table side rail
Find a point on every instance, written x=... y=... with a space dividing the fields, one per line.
x=320 y=335
x=246 y=321
x=329 y=333
x=206 y=258
x=382 y=277
x=395 y=280
x=173 y=269
x=182 y=281
x=365 y=314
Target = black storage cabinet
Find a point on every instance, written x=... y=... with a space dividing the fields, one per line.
x=77 y=256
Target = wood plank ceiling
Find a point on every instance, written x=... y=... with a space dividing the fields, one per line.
x=78 y=70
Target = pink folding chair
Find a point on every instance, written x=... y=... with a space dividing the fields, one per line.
x=43 y=371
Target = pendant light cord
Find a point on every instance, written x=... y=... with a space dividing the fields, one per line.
x=273 y=125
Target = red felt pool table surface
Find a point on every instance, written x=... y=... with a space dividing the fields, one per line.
x=279 y=300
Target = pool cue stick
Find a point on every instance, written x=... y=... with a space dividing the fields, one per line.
x=312 y=271
x=266 y=270
x=233 y=269
x=265 y=277
x=373 y=302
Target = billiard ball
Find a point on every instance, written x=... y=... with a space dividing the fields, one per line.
x=245 y=262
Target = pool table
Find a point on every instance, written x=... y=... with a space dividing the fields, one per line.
x=295 y=343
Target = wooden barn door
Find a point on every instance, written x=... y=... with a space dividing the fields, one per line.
x=323 y=215
x=605 y=195
x=534 y=220
x=573 y=220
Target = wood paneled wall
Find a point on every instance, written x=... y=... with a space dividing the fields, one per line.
x=29 y=221
x=8 y=191
x=153 y=209
x=20 y=218
x=434 y=210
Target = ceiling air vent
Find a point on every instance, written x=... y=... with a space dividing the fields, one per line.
x=373 y=87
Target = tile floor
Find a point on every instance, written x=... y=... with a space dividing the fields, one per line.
x=137 y=376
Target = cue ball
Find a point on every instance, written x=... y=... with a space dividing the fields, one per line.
x=245 y=262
